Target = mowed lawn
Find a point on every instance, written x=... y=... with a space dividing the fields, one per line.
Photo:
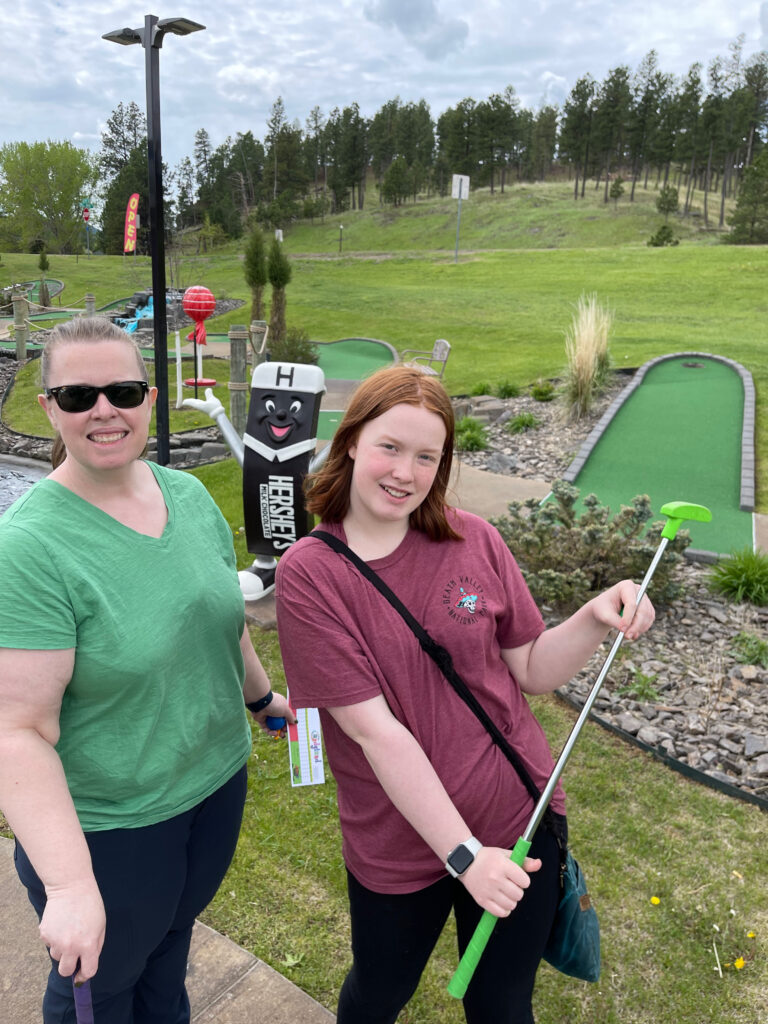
x=505 y=313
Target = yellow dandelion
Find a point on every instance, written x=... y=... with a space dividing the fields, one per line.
x=655 y=901
x=738 y=963
x=750 y=935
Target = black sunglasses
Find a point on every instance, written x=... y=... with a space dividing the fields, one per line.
x=126 y=394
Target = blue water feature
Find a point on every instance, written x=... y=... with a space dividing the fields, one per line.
x=143 y=313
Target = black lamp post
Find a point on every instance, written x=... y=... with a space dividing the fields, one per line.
x=151 y=38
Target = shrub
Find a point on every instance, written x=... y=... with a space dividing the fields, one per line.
x=483 y=388
x=471 y=435
x=567 y=558
x=507 y=389
x=743 y=576
x=750 y=649
x=586 y=349
x=523 y=421
x=543 y=390
x=295 y=347
x=667 y=201
x=664 y=236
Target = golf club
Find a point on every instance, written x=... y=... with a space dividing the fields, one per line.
x=83 y=1001
x=677 y=512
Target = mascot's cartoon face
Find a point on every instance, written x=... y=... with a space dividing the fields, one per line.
x=281 y=415
x=284 y=401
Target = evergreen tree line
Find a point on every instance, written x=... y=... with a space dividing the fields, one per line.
x=700 y=133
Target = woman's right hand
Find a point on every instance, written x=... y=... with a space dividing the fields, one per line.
x=72 y=927
x=495 y=882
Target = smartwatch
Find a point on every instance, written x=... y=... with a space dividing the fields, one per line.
x=461 y=856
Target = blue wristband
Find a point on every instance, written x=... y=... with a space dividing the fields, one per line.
x=254 y=706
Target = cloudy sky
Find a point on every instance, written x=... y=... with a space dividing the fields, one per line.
x=61 y=80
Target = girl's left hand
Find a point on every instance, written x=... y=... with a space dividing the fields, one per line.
x=617 y=609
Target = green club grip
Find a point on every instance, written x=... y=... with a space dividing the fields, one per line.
x=462 y=976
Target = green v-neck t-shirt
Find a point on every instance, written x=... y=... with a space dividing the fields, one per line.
x=152 y=720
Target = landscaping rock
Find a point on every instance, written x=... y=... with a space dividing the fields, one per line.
x=754 y=745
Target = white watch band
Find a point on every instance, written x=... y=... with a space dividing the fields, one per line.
x=473 y=846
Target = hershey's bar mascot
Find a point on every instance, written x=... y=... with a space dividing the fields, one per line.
x=276 y=453
x=280 y=438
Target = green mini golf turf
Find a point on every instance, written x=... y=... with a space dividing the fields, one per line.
x=678 y=438
x=328 y=422
x=353 y=358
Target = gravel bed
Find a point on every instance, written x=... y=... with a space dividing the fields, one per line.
x=698 y=706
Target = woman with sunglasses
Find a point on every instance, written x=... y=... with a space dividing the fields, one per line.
x=124 y=667
x=430 y=808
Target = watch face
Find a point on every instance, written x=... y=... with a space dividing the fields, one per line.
x=460 y=858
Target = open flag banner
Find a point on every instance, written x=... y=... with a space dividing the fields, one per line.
x=131 y=214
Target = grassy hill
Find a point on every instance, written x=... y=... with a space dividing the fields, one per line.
x=525 y=258
x=528 y=216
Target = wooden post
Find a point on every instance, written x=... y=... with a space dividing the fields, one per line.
x=238 y=385
x=90 y=304
x=20 y=329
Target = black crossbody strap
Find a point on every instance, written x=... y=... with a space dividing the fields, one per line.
x=439 y=655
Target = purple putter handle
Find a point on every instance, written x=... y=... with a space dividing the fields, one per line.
x=83 y=1002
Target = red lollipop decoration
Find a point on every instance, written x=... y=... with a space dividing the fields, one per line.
x=198 y=303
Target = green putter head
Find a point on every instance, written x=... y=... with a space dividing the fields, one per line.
x=677 y=512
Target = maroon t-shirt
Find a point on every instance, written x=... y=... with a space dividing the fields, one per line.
x=343 y=643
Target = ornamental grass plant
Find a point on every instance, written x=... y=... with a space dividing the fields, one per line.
x=743 y=576
x=471 y=435
x=586 y=349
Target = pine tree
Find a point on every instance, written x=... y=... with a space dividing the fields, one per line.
x=256 y=276
x=749 y=222
x=43 y=264
x=667 y=202
x=279 y=271
x=126 y=128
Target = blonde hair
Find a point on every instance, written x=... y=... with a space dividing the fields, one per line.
x=327 y=491
x=93 y=329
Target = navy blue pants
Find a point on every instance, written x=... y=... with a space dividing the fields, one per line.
x=393 y=937
x=154 y=881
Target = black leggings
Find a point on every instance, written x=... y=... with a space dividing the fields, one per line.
x=394 y=935
x=154 y=881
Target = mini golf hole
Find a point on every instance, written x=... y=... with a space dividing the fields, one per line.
x=692 y=366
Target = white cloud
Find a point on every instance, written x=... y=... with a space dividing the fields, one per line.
x=63 y=80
